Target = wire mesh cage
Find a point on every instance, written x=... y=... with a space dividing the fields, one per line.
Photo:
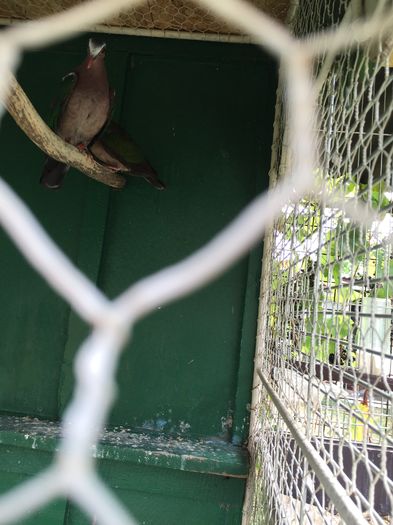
x=173 y=17
x=325 y=333
x=321 y=441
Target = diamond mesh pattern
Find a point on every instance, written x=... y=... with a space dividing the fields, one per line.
x=162 y=15
x=325 y=332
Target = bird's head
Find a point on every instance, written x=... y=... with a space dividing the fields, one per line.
x=95 y=50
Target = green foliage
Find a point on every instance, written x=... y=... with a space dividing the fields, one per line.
x=346 y=256
x=330 y=330
x=386 y=290
x=376 y=195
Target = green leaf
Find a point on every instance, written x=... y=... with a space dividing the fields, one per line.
x=337 y=274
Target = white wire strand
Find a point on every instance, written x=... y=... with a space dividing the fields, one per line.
x=210 y=260
x=30 y=495
x=92 y=496
x=350 y=34
x=47 y=258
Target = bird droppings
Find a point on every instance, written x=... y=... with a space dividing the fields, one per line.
x=161 y=423
x=184 y=426
x=212 y=455
x=226 y=423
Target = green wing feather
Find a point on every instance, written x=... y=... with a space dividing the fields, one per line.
x=116 y=143
x=116 y=140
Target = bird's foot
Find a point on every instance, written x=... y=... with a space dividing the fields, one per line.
x=116 y=169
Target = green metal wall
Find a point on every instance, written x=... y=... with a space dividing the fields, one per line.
x=202 y=113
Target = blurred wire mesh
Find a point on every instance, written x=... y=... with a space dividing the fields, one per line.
x=176 y=17
x=325 y=327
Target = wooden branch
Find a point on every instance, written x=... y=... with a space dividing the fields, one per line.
x=26 y=117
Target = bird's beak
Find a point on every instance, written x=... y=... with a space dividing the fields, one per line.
x=90 y=61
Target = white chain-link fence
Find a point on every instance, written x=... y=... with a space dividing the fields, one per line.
x=320 y=295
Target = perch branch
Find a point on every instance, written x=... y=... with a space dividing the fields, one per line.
x=25 y=115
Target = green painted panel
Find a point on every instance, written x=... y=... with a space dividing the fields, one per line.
x=161 y=497
x=169 y=490
x=120 y=444
x=33 y=320
x=161 y=510
x=75 y=217
x=18 y=465
x=201 y=131
x=202 y=112
x=51 y=514
x=155 y=496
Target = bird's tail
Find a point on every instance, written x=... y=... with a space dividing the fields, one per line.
x=53 y=173
x=143 y=169
x=156 y=182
